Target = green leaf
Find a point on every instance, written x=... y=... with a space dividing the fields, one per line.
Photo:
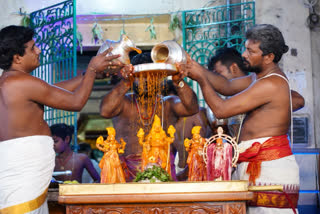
x=79 y=40
x=152 y=30
x=25 y=21
x=97 y=33
x=174 y=24
x=152 y=174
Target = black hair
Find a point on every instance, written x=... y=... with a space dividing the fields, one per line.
x=270 y=38
x=142 y=58
x=62 y=130
x=168 y=88
x=227 y=56
x=85 y=148
x=12 y=41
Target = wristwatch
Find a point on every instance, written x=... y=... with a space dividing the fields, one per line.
x=181 y=84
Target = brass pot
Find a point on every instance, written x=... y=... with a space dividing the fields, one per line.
x=123 y=47
x=168 y=52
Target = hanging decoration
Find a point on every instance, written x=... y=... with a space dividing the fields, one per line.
x=97 y=33
x=79 y=40
x=313 y=20
x=174 y=24
x=151 y=29
x=25 y=21
x=175 y=27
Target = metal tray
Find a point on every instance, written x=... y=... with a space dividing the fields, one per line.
x=161 y=187
x=155 y=67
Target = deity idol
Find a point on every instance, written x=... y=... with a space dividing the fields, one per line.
x=156 y=145
x=111 y=169
x=219 y=162
x=195 y=161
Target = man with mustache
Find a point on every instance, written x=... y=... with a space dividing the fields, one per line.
x=265 y=154
x=229 y=63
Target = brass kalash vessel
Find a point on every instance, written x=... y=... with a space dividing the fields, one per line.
x=164 y=55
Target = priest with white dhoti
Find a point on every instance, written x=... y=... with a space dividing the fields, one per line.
x=27 y=156
x=26 y=166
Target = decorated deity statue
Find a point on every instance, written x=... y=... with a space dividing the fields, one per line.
x=145 y=149
x=156 y=145
x=111 y=169
x=219 y=159
x=195 y=161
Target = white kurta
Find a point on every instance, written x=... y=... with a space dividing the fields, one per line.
x=26 y=166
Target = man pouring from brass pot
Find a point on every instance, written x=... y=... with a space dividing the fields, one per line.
x=265 y=153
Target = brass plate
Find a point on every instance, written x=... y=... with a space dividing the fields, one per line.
x=170 y=69
x=168 y=187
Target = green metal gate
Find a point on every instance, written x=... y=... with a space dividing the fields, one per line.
x=206 y=30
x=55 y=28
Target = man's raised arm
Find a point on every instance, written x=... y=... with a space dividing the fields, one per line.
x=218 y=82
x=113 y=102
x=188 y=104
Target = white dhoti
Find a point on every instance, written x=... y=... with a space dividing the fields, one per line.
x=283 y=171
x=26 y=167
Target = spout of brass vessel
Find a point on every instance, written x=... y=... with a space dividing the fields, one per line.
x=138 y=50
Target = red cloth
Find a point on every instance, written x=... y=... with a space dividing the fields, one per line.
x=275 y=200
x=272 y=149
x=219 y=162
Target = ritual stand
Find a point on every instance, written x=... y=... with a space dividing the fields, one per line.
x=179 y=197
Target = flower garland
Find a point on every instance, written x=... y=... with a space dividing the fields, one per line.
x=142 y=118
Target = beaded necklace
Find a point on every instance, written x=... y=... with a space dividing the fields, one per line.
x=149 y=119
x=66 y=160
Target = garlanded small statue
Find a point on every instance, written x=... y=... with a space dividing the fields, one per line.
x=156 y=145
x=195 y=161
x=111 y=169
x=219 y=159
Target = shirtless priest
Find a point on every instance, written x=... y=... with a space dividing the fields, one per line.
x=127 y=116
x=26 y=146
x=265 y=154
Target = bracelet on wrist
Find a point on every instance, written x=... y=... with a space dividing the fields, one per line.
x=92 y=69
